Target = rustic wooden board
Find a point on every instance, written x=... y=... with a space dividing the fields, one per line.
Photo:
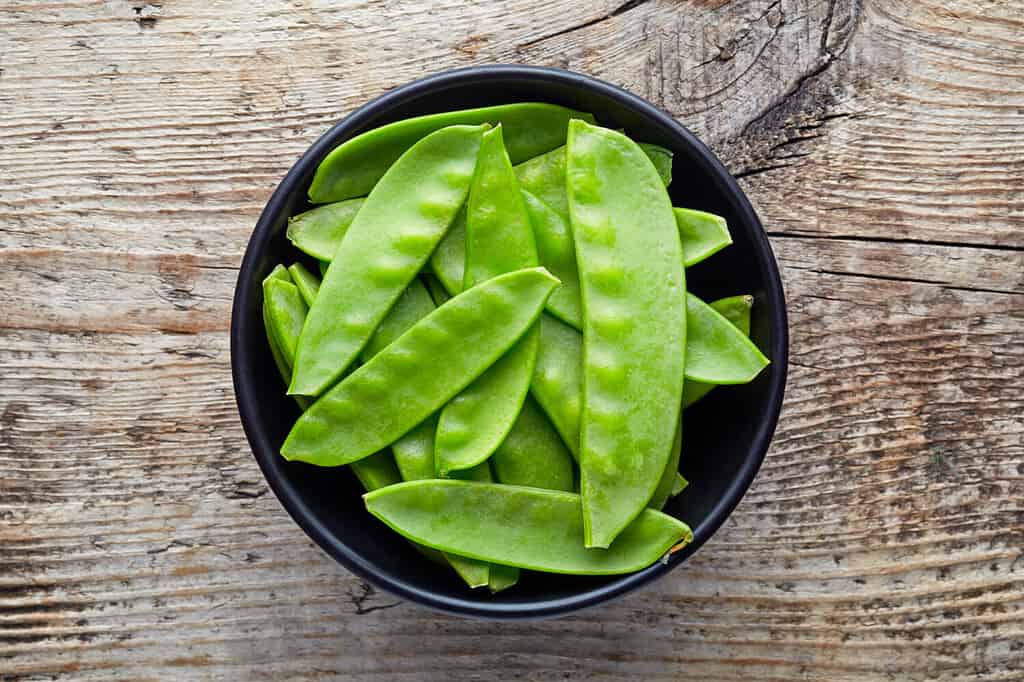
x=882 y=142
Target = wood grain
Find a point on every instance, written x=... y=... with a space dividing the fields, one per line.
x=881 y=142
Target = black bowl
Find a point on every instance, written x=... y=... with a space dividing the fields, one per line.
x=726 y=435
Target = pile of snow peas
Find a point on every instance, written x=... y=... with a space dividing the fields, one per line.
x=500 y=341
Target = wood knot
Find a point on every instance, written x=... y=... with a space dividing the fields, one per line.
x=146 y=14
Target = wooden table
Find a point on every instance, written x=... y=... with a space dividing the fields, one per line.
x=882 y=142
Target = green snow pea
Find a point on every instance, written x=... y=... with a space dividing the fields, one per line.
x=668 y=476
x=703 y=234
x=519 y=526
x=533 y=454
x=279 y=272
x=717 y=352
x=306 y=282
x=420 y=371
x=283 y=313
x=544 y=176
x=499 y=239
x=557 y=381
x=556 y=251
x=634 y=325
x=355 y=167
x=736 y=309
x=390 y=239
x=662 y=160
x=679 y=485
x=319 y=231
x=286 y=313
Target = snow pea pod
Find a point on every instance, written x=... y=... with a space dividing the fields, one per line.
x=717 y=352
x=306 y=282
x=702 y=234
x=283 y=313
x=279 y=272
x=736 y=309
x=519 y=526
x=499 y=239
x=556 y=251
x=389 y=240
x=679 y=485
x=634 y=325
x=287 y=310
x=319 y=231
x=420 y=371
x=353 y=168
x=533 y=454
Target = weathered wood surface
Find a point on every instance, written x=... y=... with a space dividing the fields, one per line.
x=882 y=142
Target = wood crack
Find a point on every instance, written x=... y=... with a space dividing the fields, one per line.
x=747 y=172
x=911 y=280
x=778 y=234
x=826 y=58
x=618 y=11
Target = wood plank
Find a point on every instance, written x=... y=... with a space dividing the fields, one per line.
x=880 y=142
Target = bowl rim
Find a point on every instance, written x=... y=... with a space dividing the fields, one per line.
x=264 y=452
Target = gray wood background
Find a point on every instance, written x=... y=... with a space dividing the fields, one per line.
x=882 y=142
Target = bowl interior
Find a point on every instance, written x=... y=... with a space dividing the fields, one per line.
x=725 y=435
